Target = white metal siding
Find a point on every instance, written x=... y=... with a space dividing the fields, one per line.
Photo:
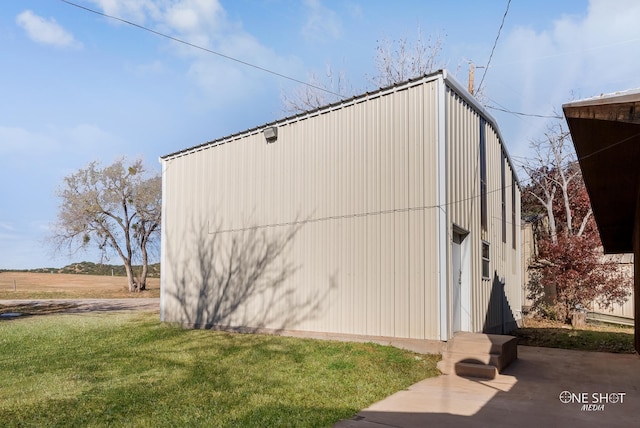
x=463 y=143
x=359 y=183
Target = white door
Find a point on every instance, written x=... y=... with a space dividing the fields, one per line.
x=460 y=287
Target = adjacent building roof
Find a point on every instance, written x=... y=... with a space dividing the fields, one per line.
x=606 y=136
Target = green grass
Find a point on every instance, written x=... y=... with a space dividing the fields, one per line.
x=600 y=338
x=126 y=369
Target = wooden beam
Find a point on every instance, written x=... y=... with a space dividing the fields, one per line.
x=627 y=112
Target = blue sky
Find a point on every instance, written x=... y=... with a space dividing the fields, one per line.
x=78 y=87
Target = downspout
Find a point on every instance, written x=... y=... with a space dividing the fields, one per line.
x=441 y=179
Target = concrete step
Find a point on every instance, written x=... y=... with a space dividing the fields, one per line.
x=476 y=370
x=498 y=360
x=478 y=355
x=462 y=367
x=478 y=342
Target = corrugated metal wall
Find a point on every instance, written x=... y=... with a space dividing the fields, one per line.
x=334 y=227
x=355 y=185
x=495 y=300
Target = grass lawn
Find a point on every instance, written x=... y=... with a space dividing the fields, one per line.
x=128 y=369
x=593 y=337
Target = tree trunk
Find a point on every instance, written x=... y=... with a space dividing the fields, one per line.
x=130 y=277
x=567 y=208
x=585 y=220
x=142 y=285
x=553 y=231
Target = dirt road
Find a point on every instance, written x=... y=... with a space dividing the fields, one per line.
x=49 y=306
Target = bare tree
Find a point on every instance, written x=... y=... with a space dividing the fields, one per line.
x=396 y=61
x=320 y=91
x=554 y=168
x=116 y=208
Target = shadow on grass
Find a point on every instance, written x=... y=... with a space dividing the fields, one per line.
x=13 y=311
x=582 y=340
x=20 y=310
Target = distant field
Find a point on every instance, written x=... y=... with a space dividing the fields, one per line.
x=30 y=285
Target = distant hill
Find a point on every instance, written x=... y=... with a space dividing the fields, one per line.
x=90 y=268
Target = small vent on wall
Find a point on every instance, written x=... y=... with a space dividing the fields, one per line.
x=271 y=134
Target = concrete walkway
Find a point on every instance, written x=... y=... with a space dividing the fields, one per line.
x=597 y=390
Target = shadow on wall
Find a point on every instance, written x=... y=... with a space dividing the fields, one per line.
x=237 y=280
x=499 y=317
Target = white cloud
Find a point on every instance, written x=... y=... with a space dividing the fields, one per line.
x=80 y=140
x=15 y=140
x=322 y=22
x=135 y=10
x=536 y=71
x=86 y=142
x=196 y=18
x=205 y=23
x=46 y=31
x=6 y=226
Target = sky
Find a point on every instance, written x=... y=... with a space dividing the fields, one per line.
x=77 y=87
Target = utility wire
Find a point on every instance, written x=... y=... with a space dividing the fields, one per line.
x=362 y=214
x=175 y=39
x=274 y=72
x=609 y=146
x=70 y=3
x=495 y=43
x=517 y=113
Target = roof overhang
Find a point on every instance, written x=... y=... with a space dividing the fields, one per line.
x=606 y=135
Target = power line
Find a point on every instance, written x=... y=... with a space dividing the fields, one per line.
x=175 y=39
x=364 y=214
x=501 y=106
x=610 y=146
x=517 y=113
x=495 y=43
x=525 y=166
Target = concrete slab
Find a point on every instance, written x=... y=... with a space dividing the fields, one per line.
x=543 y=387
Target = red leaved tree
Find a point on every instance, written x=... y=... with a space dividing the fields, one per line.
x=568 y=270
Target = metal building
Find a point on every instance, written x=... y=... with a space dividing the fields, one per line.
x=395 y=213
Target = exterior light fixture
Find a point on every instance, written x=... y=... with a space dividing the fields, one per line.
x=271 y=134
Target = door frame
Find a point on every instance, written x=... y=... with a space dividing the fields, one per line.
x=460 y=284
